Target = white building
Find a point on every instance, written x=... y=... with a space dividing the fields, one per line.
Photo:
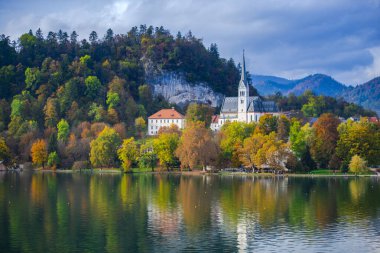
x=165 y=117
x=243 y=108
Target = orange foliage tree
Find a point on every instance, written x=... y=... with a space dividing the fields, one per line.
x=197 y=146
x=39 y=152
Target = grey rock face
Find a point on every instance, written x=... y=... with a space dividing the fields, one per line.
x=174 y=87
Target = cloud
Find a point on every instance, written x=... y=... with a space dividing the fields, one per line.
x=288 y=38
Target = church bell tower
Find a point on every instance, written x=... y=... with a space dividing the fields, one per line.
x=243 y=95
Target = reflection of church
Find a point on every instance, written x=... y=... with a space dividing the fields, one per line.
x=243 y=108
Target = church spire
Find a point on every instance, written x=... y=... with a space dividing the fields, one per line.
x=243 y=71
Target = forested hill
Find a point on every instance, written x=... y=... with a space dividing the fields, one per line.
x=48 y=76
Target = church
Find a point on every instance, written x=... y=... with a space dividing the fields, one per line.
x=243 y=108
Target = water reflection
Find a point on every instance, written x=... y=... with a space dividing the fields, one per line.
x=96 y=213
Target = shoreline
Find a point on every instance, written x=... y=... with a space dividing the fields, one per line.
x=191 y=173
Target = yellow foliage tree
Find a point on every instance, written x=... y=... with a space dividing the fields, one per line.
x=39 y=152
x=357 y=164
x=128 y=153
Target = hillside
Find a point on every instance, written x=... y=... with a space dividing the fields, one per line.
x=366 y=95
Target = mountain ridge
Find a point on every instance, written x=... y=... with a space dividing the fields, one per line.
x=366 y=94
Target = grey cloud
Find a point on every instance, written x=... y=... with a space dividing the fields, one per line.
x=291 y=38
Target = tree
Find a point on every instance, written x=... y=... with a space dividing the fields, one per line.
x=97 y=112
x=231 y=137
x=199 y=112
x=260 y=151
x=113 y=99
x=140 y=126
x=359 y=138
x=326 y=136
x=63 y=130
x=164 y=146
x=146 y=97
x=109 y=35
x=128 y=153
x=51 y=112
x=32 y=77
x=148 y=158
x=268 y=123
x=53 y=160
x=197 y=147
x=283 y=128
x=104 y=148
x=93 y=37
x=357 y=164
x=5 y=153
x=92 y=86
x=39 y=152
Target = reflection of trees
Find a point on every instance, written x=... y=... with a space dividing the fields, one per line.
x=265 y=198
x=195 y=199
x=45 y=212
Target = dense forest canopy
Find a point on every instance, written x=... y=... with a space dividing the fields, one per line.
x=57 y=56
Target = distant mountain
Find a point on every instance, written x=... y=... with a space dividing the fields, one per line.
x=318 y=83
x=366 y=95
x=267 y=85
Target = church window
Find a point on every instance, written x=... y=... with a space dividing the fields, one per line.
x=242 y=101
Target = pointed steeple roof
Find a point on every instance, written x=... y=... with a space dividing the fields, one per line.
x=243 y=78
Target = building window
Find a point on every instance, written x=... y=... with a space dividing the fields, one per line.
x=242 y=93
x=242 y=101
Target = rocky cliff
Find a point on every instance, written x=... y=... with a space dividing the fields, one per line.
x=174 y=87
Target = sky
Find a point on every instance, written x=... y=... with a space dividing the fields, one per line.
x=291 y=38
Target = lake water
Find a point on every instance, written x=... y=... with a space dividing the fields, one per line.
x=172 y=213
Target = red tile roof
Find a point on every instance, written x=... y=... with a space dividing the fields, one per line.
x=167 y=114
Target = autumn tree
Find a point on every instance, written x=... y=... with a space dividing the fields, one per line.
x=104 y=148
x=359 y=138
x=199 y=112
x=173 y=128
x=259 y=151
x=357 y=164
x=51 y=111
x=283 y=128
x=140 y=126
x=5 y=153
x=231 y=137
x=268 y=123
x=39 y=153
x=165 y=146
x=128 y=153
x=326 y=136
x=197 y=146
